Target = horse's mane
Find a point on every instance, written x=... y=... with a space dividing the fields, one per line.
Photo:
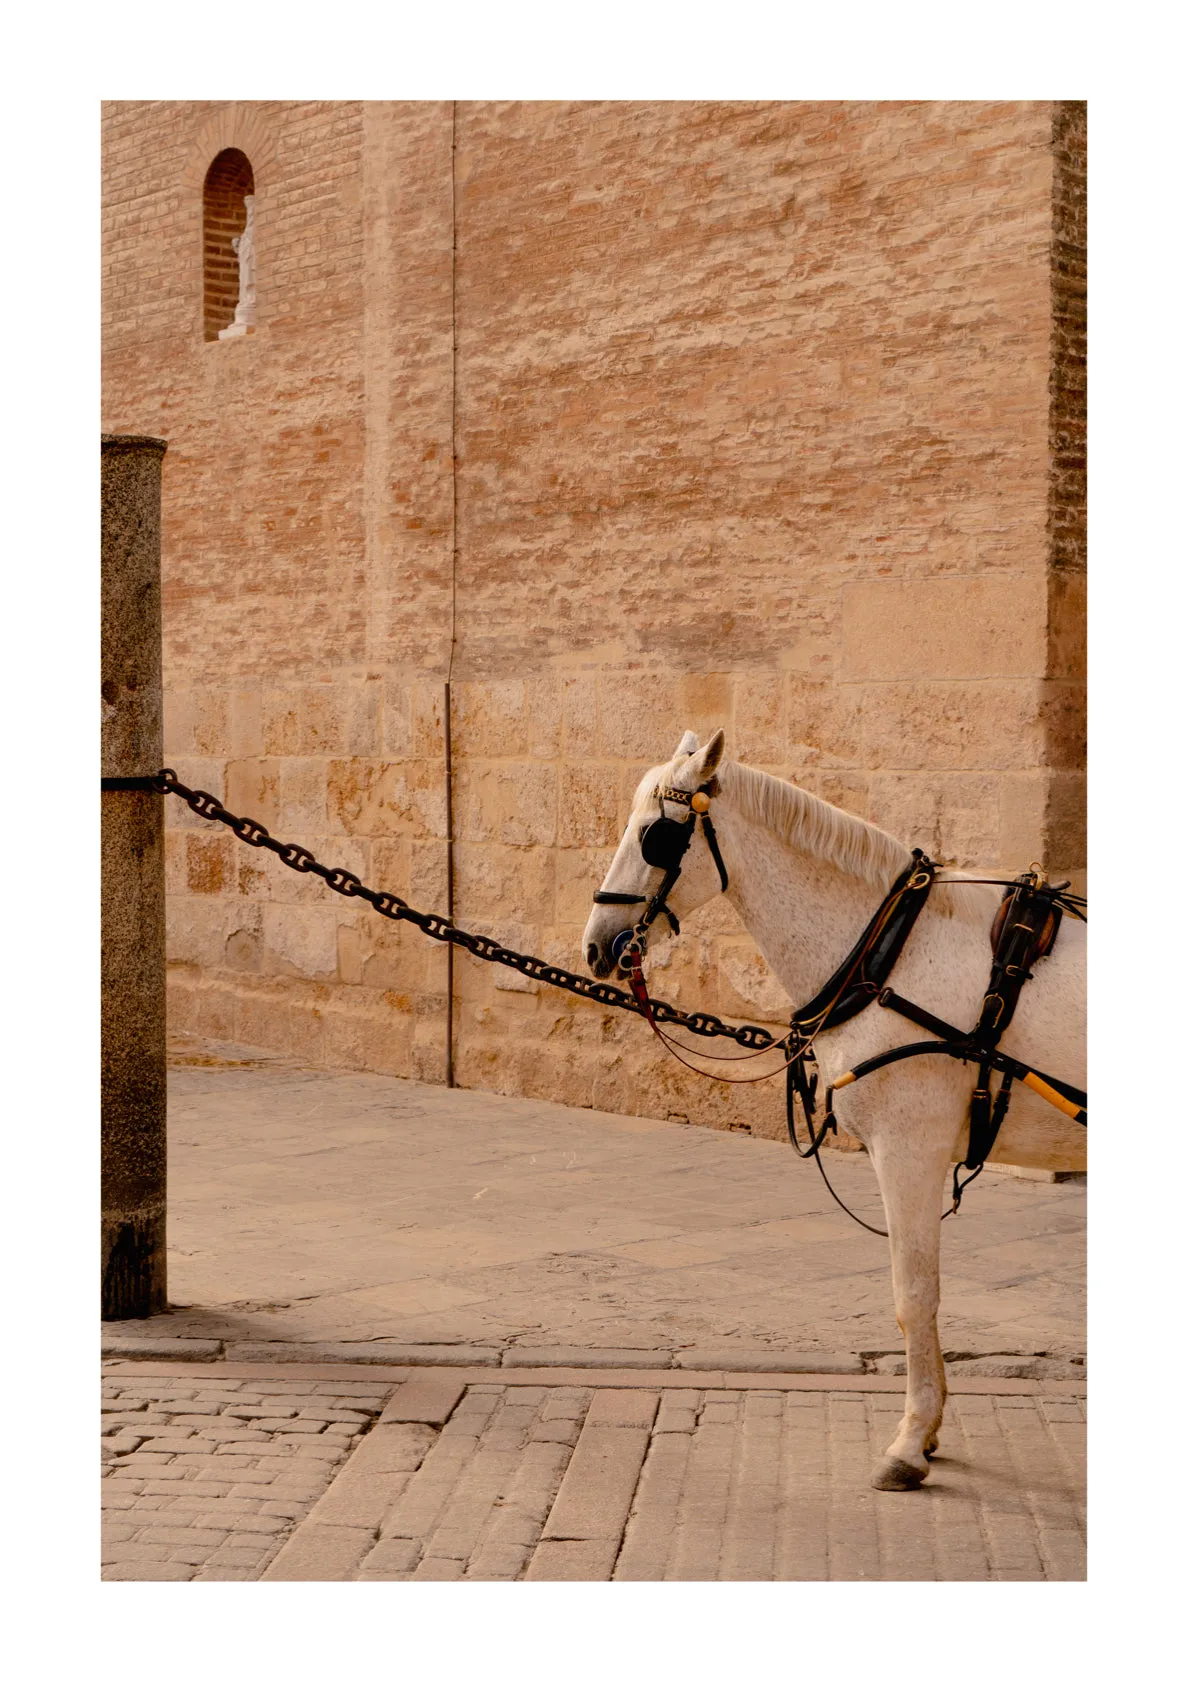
x=806 y=821
x=811 y=824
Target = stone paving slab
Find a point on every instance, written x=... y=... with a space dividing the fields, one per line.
x=445 y=1475
x=363 y=1215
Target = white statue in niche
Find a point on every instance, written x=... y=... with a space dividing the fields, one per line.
x=244 y=247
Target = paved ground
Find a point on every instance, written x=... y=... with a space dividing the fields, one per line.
x=428 y=1334
x=308 y=1206
x=216 y=1473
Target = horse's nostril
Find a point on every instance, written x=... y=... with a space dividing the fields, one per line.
x=592 y=954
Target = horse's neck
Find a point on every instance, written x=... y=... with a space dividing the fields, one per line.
x=803 y=913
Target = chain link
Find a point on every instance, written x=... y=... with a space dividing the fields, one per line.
x=345 y=882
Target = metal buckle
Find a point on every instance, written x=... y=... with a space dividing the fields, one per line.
x=631 y=950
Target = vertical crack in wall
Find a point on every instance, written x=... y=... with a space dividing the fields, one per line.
x=1064 y=699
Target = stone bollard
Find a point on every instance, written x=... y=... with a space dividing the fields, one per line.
x=133 y=865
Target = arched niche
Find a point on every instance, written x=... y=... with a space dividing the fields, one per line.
x=229 y=183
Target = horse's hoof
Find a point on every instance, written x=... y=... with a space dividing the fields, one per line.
x=898 y=1474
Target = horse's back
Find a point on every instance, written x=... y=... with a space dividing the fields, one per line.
x=1048 y=1034
x=1048 y=1029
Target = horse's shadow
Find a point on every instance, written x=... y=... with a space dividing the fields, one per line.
x=991 y=1478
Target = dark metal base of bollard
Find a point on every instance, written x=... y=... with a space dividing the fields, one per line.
x=134 y=1265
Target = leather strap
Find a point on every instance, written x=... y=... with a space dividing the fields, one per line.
x=873 y=957
x=657 y=906
x=960 y=1042
x=712 y=837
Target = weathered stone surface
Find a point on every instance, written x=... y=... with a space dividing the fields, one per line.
x=175 y=1502
x=377 y=1353
x=1012 y=1366
x=574 y=1355
x=429 y=1214
x=320 y=1553
x=159 y=1348
x=725 y=1359
x=515 y=368
x=428 y=1397
x=573 y=1562
x=748 y=1484
x=990 y=627
x=595 y=1495
x=629 y=1408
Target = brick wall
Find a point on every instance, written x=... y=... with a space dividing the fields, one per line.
x=756 y=423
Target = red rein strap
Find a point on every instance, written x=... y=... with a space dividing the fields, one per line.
x=637 y=984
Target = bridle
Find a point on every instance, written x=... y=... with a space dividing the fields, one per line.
x=664 y=842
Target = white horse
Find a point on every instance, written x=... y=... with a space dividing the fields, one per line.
x=805 y=878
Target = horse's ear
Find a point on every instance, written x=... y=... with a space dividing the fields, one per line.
x=687 y=744
x=706 y=761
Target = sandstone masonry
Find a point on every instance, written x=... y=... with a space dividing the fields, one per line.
x=674 y=415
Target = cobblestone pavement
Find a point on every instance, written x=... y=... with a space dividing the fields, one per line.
x=431 y=1474
x=308 y=1206
x=423 y=1334
x=204 y=1476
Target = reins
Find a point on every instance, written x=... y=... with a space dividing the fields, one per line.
x=861 y=979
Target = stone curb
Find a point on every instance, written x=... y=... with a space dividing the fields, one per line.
x=369 y=1354
x=519 y=1357
x=620 y=1378
x=993 y=1366
x=572 y=1356
x=160 y=1348
x=696 y=1360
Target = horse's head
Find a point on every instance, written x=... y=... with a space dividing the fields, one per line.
x=639 y=866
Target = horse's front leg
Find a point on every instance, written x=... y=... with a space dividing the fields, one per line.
x=911 y=1178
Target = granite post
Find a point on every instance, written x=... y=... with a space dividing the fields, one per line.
x=133 y=864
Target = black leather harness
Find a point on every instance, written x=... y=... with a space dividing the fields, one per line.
x=1024 y=931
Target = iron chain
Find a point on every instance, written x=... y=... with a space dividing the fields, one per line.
x=345 y=882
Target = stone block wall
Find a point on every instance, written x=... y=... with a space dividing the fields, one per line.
x=629 y=418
